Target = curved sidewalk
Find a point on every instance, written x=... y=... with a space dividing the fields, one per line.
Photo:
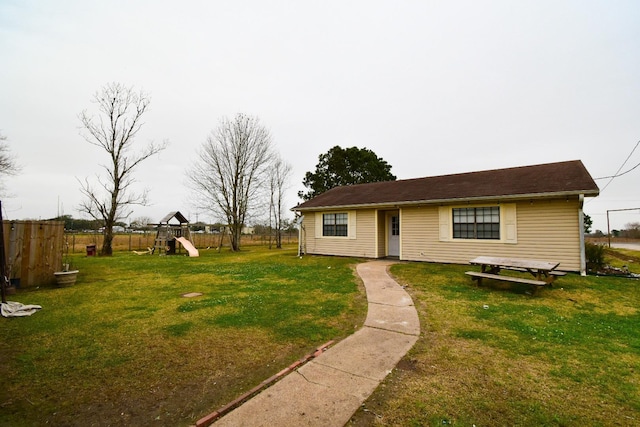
x=329 y=389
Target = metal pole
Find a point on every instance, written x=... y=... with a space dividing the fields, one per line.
x=616 y=210
x=3 y=266
x=608 y=230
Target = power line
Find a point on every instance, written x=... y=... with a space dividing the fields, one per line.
x=620 y=174
x=617 y=174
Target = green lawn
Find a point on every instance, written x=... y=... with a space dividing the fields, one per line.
x=124 y=347
x=497 y=356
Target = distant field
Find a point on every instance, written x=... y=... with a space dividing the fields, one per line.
x=139 y=242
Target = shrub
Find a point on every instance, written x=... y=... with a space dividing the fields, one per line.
x=595 y=256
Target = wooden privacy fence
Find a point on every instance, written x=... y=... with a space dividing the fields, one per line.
x=33 y=251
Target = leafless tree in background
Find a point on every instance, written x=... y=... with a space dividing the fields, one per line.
x=632 y=230
x=120 y=111
x=8 y=165
x=279 y=175
x=230 y=171
x=142 y=223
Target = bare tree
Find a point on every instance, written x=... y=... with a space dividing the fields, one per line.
x=229 y=171
x=120 y=118
x=632 y=230
x=142 y=223
x=278 y=180
x=8 y=165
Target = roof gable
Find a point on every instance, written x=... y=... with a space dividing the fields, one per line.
x=563 y=178
x=177 y=215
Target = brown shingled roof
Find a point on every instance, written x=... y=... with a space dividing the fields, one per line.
x=563 y=178
x=177 y=215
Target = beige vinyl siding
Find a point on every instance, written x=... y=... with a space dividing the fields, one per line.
x=361 y=241
x=308 y=231
x=546 y=230
x=421 y=235
x=382 y=234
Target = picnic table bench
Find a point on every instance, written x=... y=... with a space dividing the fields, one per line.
x=543 y=271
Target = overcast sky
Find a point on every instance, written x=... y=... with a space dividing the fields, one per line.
x=432 y=87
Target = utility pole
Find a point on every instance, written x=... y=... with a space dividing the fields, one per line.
x=615 y=210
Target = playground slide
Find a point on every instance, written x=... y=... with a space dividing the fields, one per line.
x=188 y=246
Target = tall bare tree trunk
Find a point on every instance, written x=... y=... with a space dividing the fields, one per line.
x=229 y=172
x=121 y=111
x=279 y=176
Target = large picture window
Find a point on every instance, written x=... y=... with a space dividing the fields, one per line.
x=335 y=224
x=476 y=223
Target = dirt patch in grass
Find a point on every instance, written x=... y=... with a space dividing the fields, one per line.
x=456 y=382
x=171 y=380
x=623 y=255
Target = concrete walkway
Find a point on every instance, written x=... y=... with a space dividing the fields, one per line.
x=330 y=388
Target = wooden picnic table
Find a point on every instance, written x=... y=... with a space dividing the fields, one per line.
x=543 y=271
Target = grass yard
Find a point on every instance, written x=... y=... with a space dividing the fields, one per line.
x=124 y=347
x=488 y=356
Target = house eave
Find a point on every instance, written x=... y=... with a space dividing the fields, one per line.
x=391 y=205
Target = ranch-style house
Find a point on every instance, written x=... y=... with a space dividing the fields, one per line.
x=532 y=212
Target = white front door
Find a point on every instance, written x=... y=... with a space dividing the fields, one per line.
x=393 y=248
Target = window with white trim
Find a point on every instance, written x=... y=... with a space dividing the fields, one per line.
x=476 y=223
x=335 y=224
